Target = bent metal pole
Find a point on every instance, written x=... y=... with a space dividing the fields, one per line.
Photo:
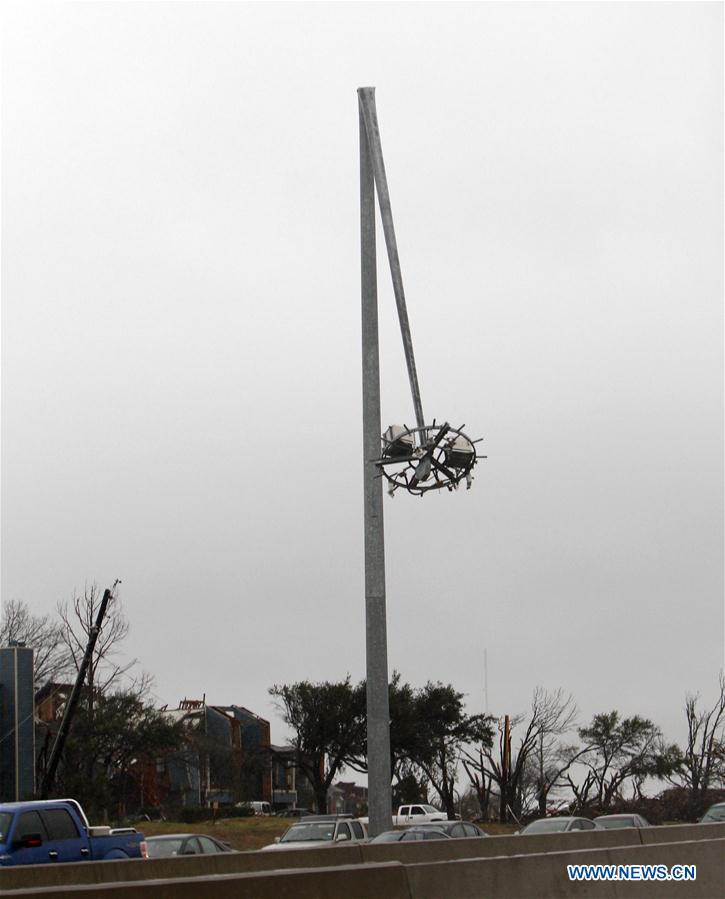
x=366 y=96
x=376 y=642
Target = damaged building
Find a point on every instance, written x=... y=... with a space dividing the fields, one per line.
x=226 y=758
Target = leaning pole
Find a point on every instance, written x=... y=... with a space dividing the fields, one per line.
x=417 y=460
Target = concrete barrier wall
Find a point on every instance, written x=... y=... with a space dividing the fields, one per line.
x=680 y=832
x=178 y=866
x=504 y=877
x=385 y=881
x=545 y=874
x=408 y=853
x=228 y=863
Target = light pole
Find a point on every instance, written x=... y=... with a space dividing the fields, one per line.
x=419 y=459
x=376 y=641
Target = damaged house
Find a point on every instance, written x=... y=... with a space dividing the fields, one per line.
x=225 y=758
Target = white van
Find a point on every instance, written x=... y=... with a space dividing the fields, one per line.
x=259 y=808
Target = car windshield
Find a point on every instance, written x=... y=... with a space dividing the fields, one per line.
x=716 y=813
x=302 y=833
x=163 y=848
x=5 y=819
x=546 y=825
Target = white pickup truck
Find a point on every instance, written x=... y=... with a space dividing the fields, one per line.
x=416 y=814
x=316 y=831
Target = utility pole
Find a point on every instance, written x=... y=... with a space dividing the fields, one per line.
x=75 y=695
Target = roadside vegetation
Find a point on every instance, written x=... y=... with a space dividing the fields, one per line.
x=505 y=768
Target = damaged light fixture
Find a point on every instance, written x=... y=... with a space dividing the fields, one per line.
x=426 y=457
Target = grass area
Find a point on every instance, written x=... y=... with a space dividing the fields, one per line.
x=254 y=833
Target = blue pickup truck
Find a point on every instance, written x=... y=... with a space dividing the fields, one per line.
x=35 y=833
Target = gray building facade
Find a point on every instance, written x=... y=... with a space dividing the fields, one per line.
x=17 y=724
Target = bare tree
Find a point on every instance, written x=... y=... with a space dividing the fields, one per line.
x=551 y=758
x=105 y=670
x=51 y=660
x=701 y=766
x=480 y=779
x=536 y=764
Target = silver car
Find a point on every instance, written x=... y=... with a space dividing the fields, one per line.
x=411 y=835
x=171 y=844
x=714 y=813
x=455 y=829
x=558 y=825
x=613 y=822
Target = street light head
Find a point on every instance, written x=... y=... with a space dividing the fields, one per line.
x=428 y=458
x=397 y=442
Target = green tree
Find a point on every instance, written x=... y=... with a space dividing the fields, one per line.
x=443 y=730
x=428 y=728
x=411 y=787
x=618 y=750
x=102 y=750
x=328 y=721
x=405 y=727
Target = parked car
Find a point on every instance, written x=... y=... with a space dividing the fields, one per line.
x=557 y=825
x=714 y=813
x=321 y=830
x=293 y=813
x=411 y=834
x=611 y=822
x=258 y=807
x=169 y=844
x=57 y=830
x=454 y=829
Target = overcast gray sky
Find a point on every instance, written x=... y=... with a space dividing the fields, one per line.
x=181 y=330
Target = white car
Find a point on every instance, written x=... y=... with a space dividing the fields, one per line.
x=316 y=831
